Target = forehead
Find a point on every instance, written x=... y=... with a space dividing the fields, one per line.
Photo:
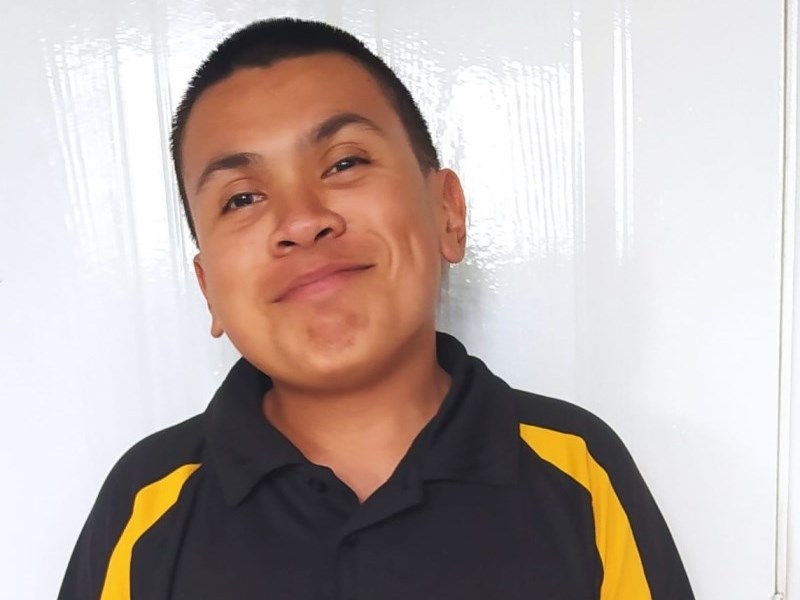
x=284 y=98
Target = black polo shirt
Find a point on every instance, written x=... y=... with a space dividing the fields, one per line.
x=503 y=495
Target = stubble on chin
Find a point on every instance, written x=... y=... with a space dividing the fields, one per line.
x=334 y=332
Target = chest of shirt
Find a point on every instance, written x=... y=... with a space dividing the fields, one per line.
x=302 y=535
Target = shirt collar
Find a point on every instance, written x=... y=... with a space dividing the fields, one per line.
x=472 y=438
x=244 y=446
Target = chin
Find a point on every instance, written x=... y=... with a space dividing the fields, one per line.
x=332 y=368
x=320 y=353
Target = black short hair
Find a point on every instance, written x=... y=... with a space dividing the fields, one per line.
x=262 y=44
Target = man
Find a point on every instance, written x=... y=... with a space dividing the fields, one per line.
x=353 y=452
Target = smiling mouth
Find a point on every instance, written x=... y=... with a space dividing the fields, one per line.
x=321 y=283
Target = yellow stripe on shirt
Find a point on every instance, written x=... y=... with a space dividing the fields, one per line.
x=623 y=572
x=150 y=504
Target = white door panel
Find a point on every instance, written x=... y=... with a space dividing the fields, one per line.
x=622 y=161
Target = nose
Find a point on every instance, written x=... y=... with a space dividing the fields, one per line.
x=305 y=223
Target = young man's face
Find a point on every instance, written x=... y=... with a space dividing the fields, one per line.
x=320 y=237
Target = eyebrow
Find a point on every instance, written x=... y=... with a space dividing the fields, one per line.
x=237 y=160
x=321 y=132
x=335 y=123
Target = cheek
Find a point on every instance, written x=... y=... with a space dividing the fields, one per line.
x=400 y=213
x=230 y=273
x=407 y=231
x=417 y=242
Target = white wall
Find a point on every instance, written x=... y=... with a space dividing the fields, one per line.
x=623 y=161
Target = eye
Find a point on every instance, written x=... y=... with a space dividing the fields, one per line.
x=242 y=200
x=344 y=164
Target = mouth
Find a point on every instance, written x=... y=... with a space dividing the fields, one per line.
x=321 y=282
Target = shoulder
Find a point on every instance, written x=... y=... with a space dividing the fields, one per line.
x=144 y=483
x=579 y=444
x=157 y=455
x=544 y=411
x=549 y=422
x=634 y=544
x=585 y=448
x=548 y=425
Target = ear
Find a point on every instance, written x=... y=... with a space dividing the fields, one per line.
x=452 y=213
x=216 y=327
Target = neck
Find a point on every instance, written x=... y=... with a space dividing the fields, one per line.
x=363 y=433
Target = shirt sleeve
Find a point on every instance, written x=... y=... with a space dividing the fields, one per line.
x=638 y=555
x=88 y=564
x=661 y=562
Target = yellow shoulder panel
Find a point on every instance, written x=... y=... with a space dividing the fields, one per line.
x=150 y=504
x=623 y=573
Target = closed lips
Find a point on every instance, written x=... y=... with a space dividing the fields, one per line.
x=318 y=275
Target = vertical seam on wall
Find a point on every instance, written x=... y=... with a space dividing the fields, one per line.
x=578 y=129
x=163 y=101
x=130 y=232
x=787 y=237
x=623 y=131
